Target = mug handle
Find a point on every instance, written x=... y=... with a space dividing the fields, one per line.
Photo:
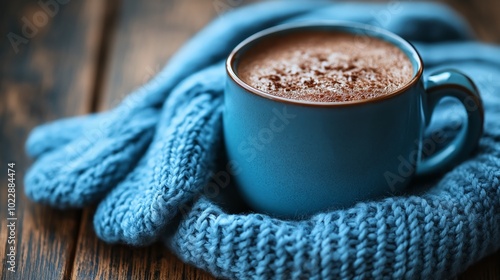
x=451 y=83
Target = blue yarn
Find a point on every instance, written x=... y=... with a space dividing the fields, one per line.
x=149 y=158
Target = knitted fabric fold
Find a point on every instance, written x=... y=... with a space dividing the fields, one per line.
x=148 y=163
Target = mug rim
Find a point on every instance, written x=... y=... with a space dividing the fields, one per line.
x=345 y=26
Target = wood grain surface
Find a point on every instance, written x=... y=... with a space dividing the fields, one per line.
x=49 y=77
x=482 y=15
x=88 y=57
x=146 y=35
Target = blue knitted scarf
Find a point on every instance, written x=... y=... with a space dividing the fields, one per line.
x=148 y=162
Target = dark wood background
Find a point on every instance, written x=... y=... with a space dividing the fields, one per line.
x=86 y=58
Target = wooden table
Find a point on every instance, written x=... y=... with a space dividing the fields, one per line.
x=86 y=56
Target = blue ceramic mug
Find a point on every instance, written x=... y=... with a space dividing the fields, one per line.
x=296 y=158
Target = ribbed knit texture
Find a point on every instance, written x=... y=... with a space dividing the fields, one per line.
x=147 y=162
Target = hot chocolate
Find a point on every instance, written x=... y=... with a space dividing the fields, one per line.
x=320 y=66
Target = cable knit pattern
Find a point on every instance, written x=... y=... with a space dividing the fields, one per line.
x=414 y=237
x=82 y=171
x=424 y=236
x=177 y=164
x=147 y=162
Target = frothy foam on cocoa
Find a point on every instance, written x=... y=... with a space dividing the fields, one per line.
x=325 y=67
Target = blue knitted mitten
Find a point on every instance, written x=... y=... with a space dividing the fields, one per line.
x=147 y=162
